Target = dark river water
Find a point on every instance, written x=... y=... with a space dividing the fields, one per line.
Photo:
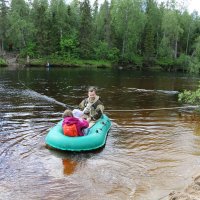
x=148 y=154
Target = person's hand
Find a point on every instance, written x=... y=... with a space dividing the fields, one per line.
x=89 y=119
x=87 y=109
x=84 y=117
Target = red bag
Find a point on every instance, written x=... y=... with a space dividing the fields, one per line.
x=70 y=130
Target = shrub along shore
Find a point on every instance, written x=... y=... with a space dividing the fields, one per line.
x=63 y=62
x=60 y=61
x=3 y=63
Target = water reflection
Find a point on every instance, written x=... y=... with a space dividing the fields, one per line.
x=69 y=166
x=197 y=129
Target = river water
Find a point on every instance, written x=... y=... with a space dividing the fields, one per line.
x=148 y=153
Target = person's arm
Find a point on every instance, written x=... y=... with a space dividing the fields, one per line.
x=87 y=108
x=98 y=112
x=82 y=105
x=82 y=125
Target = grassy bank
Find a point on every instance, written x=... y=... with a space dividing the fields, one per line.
x=169 y=65
x=62 y=62
x=3 y=63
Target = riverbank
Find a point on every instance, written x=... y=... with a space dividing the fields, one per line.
x=13 y=58
x=191 y=192
x=3 y=63
x=74 y=63
x=62 y=62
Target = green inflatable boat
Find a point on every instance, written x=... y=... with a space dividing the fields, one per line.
x=95 y=138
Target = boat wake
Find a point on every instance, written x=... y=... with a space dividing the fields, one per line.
x=36 y=95
x=168 y=92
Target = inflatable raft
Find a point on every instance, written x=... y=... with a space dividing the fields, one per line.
x=95 y=138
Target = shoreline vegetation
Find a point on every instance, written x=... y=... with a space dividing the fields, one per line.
x=130 y=34
x=3 y=63
x=59 y=61
x=62 y=62
x=190 y=192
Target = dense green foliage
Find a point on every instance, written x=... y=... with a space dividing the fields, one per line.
x=142 y=33
x=191 y=97
x=2 y=62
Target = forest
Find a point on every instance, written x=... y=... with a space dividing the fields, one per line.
x=140 y=33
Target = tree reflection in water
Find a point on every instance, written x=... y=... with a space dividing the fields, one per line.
x=69 y=166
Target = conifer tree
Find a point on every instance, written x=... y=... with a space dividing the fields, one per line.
x=104 y=23
x=150 y=30
x=85 y=31
x=3 y=23
x=40 y=20
x=58 y=24
x=20 y=29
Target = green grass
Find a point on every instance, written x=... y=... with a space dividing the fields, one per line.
x=60 y=61
x=2 y=62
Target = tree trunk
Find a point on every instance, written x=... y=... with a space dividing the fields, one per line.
x=61 y=33
x=23 y=39
x=125 y=34
x=175 y=48
x=2 y=46
x=188 y=37
x=123 y=47
x=157 y=34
